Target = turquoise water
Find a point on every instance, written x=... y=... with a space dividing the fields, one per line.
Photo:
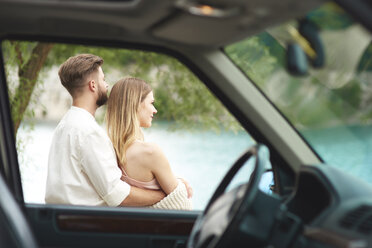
x=203 y=157
x=347 y=148
x=200 y=157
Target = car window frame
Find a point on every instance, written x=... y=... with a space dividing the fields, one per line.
x=9 y=166
x=50 y=222
x=244 y=122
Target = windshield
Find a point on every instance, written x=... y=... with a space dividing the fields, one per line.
x=330 y=106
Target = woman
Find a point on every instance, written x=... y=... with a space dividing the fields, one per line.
x=130 y=107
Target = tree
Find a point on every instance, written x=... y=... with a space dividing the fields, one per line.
x=29 y=59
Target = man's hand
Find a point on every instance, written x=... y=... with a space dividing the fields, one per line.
x=188 y=187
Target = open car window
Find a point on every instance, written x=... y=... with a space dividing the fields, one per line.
x=198 y=135
x=330 y=106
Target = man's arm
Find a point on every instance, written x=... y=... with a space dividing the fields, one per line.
x=142 y=197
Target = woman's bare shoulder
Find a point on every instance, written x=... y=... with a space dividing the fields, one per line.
x=147 y=153
x=144 y=148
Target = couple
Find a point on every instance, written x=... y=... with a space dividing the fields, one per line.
x=88 y=167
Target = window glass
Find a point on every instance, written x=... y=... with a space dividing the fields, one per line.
x=197 y=134
x=330 y=106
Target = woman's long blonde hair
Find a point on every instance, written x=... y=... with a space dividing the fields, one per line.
x=122 y=121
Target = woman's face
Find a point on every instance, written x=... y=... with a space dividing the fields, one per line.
x=147 y=110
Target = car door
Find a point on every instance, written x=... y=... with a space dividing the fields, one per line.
x=77 y=226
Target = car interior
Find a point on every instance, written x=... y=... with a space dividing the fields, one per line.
x=307 y=202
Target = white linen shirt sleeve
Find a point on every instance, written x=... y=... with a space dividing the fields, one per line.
x=98 y=161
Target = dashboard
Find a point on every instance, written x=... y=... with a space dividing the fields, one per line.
x=334 y=207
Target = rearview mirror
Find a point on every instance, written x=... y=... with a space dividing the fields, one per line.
x=311 y=33
x=296 y=60
x=306 y=46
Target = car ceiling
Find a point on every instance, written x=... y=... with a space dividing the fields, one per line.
x=156 y=22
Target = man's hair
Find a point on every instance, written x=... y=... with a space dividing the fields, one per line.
x=74 y=70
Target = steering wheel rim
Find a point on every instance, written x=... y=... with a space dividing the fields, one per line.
x=243 y=201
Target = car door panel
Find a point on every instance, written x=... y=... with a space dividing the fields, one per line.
x=78 y=226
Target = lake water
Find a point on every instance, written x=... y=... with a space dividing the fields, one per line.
x=348 y=148
x=201 y=157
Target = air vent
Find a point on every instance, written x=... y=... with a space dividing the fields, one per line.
x=359 y=219
x=366 y=225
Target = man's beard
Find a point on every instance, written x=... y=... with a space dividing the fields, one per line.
x=102 y=98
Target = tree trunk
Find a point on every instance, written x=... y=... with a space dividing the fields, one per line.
x=28 y=75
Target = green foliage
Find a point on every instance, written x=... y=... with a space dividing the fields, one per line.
x=16 y=55
x=25 y=60
x=351 y=95
x=180 y=97
x=365 y=63
x=330 y=17
x=112 y=56
x=332 y=96
x=304 y=101
x=13 y=49
x=254 y=57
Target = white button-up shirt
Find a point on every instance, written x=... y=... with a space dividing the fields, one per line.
x=82 y=166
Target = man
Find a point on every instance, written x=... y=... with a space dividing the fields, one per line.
x=82 y=165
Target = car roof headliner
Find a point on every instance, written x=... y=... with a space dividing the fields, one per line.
x=155 y=22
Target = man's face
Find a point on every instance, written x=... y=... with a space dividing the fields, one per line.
x=102 y=88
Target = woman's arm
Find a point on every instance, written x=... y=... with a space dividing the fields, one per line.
x=159 y=166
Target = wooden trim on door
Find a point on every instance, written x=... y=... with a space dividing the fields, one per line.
x=120 y=224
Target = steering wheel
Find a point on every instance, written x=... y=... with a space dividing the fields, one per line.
x=231 y=218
